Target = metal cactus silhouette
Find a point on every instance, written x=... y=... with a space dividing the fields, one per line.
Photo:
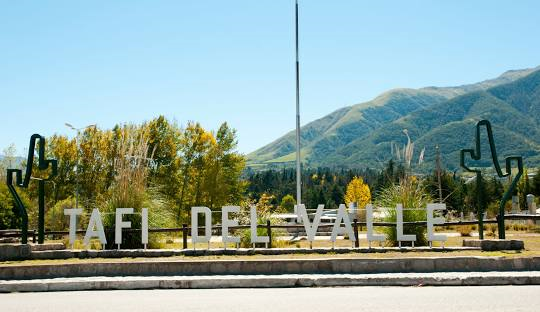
x=475 y=154
x=43 y=164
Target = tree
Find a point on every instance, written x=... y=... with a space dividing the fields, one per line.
x=10 y=217
x=194 y=144
x=287 y=203
x=65 y=151
x=524 y=188
x=358 y=192
x=451 y=189
x=536 y=183
x=224 y=168
x=164 y=142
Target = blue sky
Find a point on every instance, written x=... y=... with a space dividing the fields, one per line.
x=108 y=62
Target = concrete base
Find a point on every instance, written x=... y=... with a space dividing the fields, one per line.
x=9 y=252
x=331 y=265
x=47 y=247
x=272 y=281
x=495 y=244
x=153 y=253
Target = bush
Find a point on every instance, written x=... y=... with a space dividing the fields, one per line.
x=9 y=214
x=159 y=216
x=465 y=230
x=287 y=203
x=245 y=235
x=414 y=199
x=492 y=228
x=55 y=220
x=245 y=238
x=533 y=228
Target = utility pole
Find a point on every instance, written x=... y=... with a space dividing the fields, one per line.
x=439 y=173
x=298 y=164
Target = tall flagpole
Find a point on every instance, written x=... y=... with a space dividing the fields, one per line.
x=298 y=167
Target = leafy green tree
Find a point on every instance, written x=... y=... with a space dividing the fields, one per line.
x=225 y=165
x=164 y=144
x=524 y=188
x=287 y=203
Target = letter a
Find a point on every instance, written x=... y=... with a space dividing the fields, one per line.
x=95 y=222
x=342 y=215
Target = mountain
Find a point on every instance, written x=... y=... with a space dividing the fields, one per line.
x=362 y=135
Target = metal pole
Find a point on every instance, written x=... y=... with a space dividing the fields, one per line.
x=298 y=165
x=269 y=233
x=439 y=174
x=41 y=207
x=480 y=202
x=77 y=171
x=184 y=236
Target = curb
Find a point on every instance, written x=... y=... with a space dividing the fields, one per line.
x=270 y=267
x=279 y=281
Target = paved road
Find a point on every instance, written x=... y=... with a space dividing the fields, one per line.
x=380 y=299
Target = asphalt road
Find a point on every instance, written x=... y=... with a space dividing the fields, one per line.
x=440 y=299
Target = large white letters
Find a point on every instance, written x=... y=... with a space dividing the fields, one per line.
x=72 y=213
x=95 y=222
x=311 y=229
x=399 y=228
x=119 y=224
x=431 y=221
x=369 y=223
x=226 y=223
x=342 y=215
x=342 y=225
x=144 y=227
x=254 y=237
x=195 y=225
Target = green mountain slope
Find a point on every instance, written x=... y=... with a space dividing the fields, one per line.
x=362 y=135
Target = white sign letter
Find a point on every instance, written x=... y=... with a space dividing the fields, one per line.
x=119 y=224
x=311 y=229
x=226 y=223
x=72 y=213
x=399 y=227
x=342 y=215
x=431 y=221
x=195 y=238
x=95 y=222
x=144 y=227
x=369 y=223
x=254 y=237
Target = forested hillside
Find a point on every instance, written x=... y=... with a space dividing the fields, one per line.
x=368 y=134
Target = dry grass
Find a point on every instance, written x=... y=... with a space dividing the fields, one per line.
x=131 y=169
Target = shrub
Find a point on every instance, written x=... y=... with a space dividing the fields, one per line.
x=533 y=228
x=492 y=228
x=55 y=219
x=465 y=230
x=10 y=217
x=414 y=199
x=287 y=203
x=245 y=235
